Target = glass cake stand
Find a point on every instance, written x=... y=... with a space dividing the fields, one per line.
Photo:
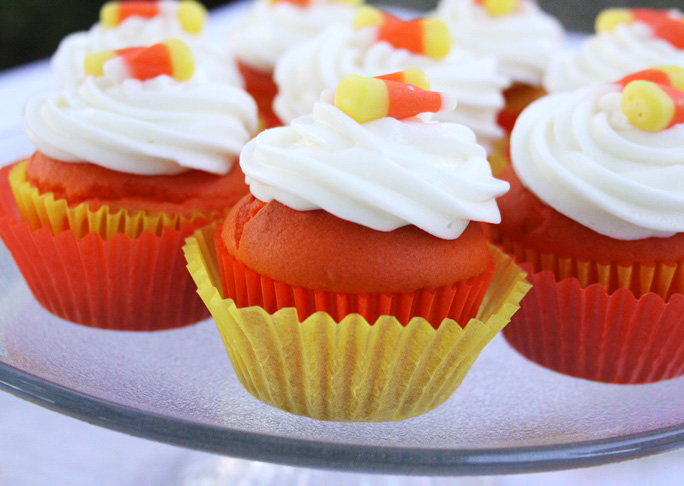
x=178 y=386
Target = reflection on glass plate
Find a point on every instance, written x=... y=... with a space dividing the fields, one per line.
x=178 y=386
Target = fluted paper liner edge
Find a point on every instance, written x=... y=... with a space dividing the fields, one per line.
x=43 y=209
x=351 y=370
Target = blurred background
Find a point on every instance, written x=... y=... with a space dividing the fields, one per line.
x=31 y=29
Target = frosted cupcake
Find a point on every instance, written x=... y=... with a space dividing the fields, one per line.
x=130 y=160
x=379 y=43
x=517 y=33
x=521 y=36
x=142 y=23
x=596 y=209
x=269 y=28
x=356 y=284
x=625 y=41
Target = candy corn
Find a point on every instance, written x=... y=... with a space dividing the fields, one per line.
x=500 y=7
x=172 y=57
x=368 y=16
x=416 y=77
x=664 y=26
x=367 y=99
x=668 y=75
x=190 y=14
x=429 y=37
x=652 y=107
x=306 y=3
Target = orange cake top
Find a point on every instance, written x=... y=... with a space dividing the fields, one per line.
x=193 y=190
x=317 y=250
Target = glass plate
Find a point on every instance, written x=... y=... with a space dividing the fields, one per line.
x=178 y=386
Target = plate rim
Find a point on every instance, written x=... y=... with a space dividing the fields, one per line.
x=329 y=455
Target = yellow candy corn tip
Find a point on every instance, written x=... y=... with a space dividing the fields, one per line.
x=436 y=39
x=109 y=14
x=647 y=106
x=93 y=65
x=501 y=7
x=182 y=59
x=676 y=75
x=192 y=15
x=367 y=16
x=610 y=18
x=362 y=99
x=417 y=77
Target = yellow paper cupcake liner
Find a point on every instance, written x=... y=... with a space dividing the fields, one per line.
x=498 y=158
x=40 y=210
x=662 y=278
x=350 y=370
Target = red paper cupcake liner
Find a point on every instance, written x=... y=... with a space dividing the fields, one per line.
x=119 y=283
x=247 y=288
x=589 y=333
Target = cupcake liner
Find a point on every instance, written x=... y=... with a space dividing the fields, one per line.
x=350 y=370
x=44 y=210
x=663 y=278
x=589 y=333
x=247 y=288
x=260 y=85
x=603 y=322
x=518 y=97
x=119 y=283
x=499 y=158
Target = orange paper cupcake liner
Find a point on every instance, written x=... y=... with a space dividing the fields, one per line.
x=603 y=322
x=119 y=283
x=350 y=369
x=247 y=288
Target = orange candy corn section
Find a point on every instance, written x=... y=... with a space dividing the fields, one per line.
x=664 y=26
x=367 y=99
x=172 y=57
x=667 y=75
x=190 y=14
x=416 y=77
x=429 y=37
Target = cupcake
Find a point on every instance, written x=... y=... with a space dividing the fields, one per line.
x=130 y=160
x=596 y=211
x=378 y=43
x=626 y=41
x=269 y=28
x=521 y=36
x=144 y=23
x=354 y=283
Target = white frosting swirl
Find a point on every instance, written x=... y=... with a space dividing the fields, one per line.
x=610 y=56
x=383 y=174
x=159 y=126
x=523 y=41
x=211 y=63
x=268 y=29
x=305 y=71
x=579 y=153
